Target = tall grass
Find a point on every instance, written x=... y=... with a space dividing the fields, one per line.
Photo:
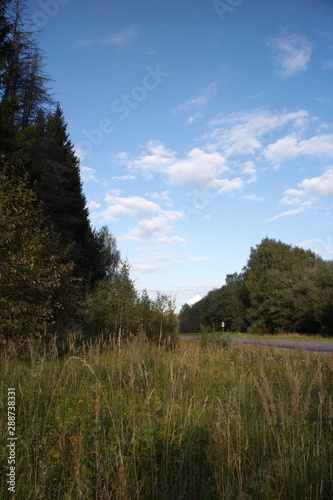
x=142 y=422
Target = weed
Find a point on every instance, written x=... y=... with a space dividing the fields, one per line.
x=143 y=422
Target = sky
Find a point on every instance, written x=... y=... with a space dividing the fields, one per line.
x=202 y=127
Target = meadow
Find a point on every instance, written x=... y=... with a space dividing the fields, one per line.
x=198 y=422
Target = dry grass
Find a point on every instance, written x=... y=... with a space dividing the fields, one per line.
x=142 y=422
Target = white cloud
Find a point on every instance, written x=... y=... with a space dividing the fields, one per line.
x=194 y=118
x=174 y=241
x=157 y=159
x=151 y=261
x=293 y=196
x=216 y=167
x=131 y=205
x=150 y=52
x=328 y=64
x=200 y=258
x=194 y=299
x=118 y=40
x=201 y=99
x=253 y=197
x=324 y=100
x=88 y=174
x=164 y=196
x=292 y=54
x=319 y=246
x=120 y=155
x=152 y=267
x=290 y=146
x=287 y=213
x=114 y=192
x=93 y=205
x=127 y=177
x=256 y=95
x=84 y=42
x=243 y=133
x=121 y=38
x=156 y=227
x=226 y=186
x=320 y=146
x=198 y=167
x=213 y=164
x=249 y=169
x=282 y=149
x=321 y=186
x=308 y=193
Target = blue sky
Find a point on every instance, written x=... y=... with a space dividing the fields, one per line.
x=202 y=127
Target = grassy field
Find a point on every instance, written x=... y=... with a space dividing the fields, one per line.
x=198 y=422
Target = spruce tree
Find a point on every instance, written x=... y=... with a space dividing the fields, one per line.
x=55 y=167
x=35 y=149
x=23 y=83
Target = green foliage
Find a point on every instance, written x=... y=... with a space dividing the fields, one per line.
x=209 y=338
x=322 y=297
x=37 y=287
x=228 y=304
x=164 y=325
x=111 y=306
x=115 y=308
x=281 y=289
x=55 y=168
x=189 y=319
x=108 y=256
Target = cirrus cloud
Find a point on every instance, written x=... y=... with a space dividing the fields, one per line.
x=243 y=133
x=292 y=53
x=118 y=40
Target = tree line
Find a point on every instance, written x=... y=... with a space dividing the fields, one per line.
x=282 y=288
x=55 y=268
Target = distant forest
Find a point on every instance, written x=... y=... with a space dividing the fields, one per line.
x=57 y=272
x=282 y=288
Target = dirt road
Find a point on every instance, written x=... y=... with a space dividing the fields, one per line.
x=325 y=347
x=288 y=344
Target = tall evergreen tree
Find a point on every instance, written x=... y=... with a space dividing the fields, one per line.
x=24 y=81
x=55 y=168
x=5 y=28
x=35 y=146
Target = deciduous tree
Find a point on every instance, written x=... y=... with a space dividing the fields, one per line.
x=37 y=288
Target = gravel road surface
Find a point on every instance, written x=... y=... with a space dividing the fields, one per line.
x=281 y=344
